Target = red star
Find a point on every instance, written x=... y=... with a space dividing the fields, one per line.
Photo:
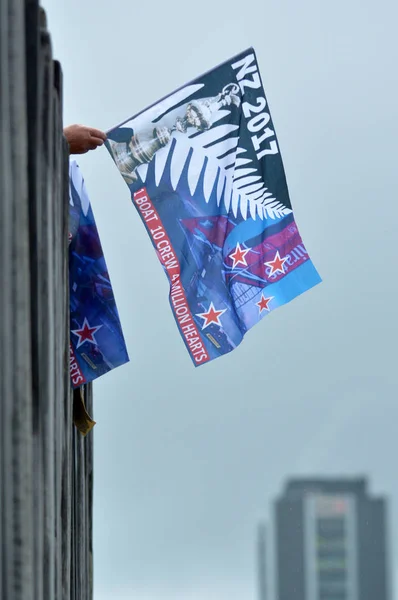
x=263 y=304
x=86 y=333
x=276 y=265
x=238 y=256
x=211 y=316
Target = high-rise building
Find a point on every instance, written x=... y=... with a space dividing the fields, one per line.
x=331 y=542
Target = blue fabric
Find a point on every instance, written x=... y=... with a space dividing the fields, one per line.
x=96 y=339
x=205 y=173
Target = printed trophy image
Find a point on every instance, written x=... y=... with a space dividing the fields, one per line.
x=143 y=145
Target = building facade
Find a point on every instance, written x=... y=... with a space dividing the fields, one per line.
x=331 y=542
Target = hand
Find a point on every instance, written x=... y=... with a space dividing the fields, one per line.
x=81 y=139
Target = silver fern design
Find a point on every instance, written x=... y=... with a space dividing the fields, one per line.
x=210 y=158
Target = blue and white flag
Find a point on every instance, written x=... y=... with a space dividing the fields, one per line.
x=96 y=339
x=205 y=173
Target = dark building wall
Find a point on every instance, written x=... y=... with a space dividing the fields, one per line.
x=300 y=487
x=289 y=531
x=46 y=467
x=372 y=531
x=373 y=550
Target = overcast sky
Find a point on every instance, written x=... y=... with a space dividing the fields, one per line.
x=188 y=460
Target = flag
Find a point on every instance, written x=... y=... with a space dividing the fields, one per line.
x=205 y=173
x=96 y=338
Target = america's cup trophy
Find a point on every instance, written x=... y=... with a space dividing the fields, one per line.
x=141 y=146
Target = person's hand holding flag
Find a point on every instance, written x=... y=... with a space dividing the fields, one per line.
x=81 y=139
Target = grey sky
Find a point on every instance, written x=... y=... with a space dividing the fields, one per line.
x=187 y=460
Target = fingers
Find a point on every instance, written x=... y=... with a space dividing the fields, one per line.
x=97 y=141
x=93 y=143
x=97 y=133
x=97 y=138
